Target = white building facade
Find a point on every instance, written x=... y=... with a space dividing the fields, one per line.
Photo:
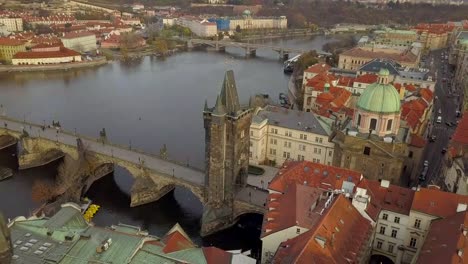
x=81 y=42
x=12 y=24
x=278 y=134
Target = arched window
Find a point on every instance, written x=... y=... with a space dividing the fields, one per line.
x=373 y=124
x=389 y=124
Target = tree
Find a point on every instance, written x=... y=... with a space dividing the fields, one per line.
x=297 y=20
x=43 y=29
x=161 y=46
x=42 y=191
x=238 y=29
x=68 y=27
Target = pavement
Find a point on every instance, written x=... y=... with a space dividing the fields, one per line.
x=448 y=104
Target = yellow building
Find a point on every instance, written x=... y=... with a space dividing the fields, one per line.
x=9 y=47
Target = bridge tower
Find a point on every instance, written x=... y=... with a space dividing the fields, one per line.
x=227 y=142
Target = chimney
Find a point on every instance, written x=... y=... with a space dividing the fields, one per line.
x=461 y=207
x=384 y=183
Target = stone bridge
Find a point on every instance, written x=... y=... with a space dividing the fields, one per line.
x=250 y=48
x=154 y=176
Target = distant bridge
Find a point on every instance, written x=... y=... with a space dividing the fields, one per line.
x=154 y=175
x=250 y=48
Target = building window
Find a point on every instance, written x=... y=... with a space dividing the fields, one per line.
x=320 y=140
x=417 y=223
x=379 y=244
x=303 y=136
x=251 y=133
x=389 y=124
x=397 y=219
x=286 y=155
x=359 y=119
x=251 y=144
x=298 y=231
x=390 y=248
x=410 y=154
x=412 y=242
x=373 y=124
x=319 y=151
x=366 y=151
x=287 y=144
x=316 y=139
x=273 y=141
x=385 y=216
x=382 y=230
x=274 y=131
x=288 y=133
x=302 y=147
x=394 y=233
x=272 y=151
x=330 y=153
x=300 y=157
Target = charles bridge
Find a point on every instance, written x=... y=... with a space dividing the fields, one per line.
x=154 y=176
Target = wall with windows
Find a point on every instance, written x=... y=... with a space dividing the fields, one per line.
x=390 y=233
x=417 y=228
x=271 y=242
x=273 y=145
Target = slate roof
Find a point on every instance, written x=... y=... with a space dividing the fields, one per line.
x=293 y=119
x=376 y=64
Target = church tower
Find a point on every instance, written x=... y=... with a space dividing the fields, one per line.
x=227 y=142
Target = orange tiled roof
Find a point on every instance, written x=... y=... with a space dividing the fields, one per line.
x=346 y=81
x=361 y=53
x=393 y=198
x=340 y=236
x=437 y=203
x=318 y=68
x=11 y=42
x=292 y=208
x=444 y=239
x=426 y=94
x=367 y=78
x=215 y=255
x=313 y=174
x=461 y=133
x=64 y=52
x=176 y=241
x=417 y=141
x=72 y=35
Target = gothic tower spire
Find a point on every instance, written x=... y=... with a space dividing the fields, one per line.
x=229 y=96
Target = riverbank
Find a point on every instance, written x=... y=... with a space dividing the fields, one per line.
x=53 y=67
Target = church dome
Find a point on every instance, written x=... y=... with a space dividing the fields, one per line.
x=246 y=12
x=380 y=97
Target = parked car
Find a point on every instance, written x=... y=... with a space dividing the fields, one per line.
x=439 y=120
x=426 y=163
x=448 y=124
x=433 y=138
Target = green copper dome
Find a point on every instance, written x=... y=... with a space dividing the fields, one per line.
x=380 y=97
x=384 y=72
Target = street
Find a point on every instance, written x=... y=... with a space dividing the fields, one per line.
x=446 y=100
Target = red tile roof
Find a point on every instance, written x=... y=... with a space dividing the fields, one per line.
x=436 y=202
x=367 y=78
x=417 y=141
x=361 y=53
x=345 y=81
x=64 y=52
x=318 y=68
x=426 y=94
x=215 y=255
x=341 y=236
x=11 y=42
x=461 y=133
x=312 y=174
x=292 y=209
x=392 y=198
x=176 y=241
x=445 y=239
x=73 y=35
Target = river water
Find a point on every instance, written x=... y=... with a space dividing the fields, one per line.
x=144 y=103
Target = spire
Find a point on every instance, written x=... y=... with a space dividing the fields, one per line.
x=219 y=107
x=229 y=97
x=205 y=109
